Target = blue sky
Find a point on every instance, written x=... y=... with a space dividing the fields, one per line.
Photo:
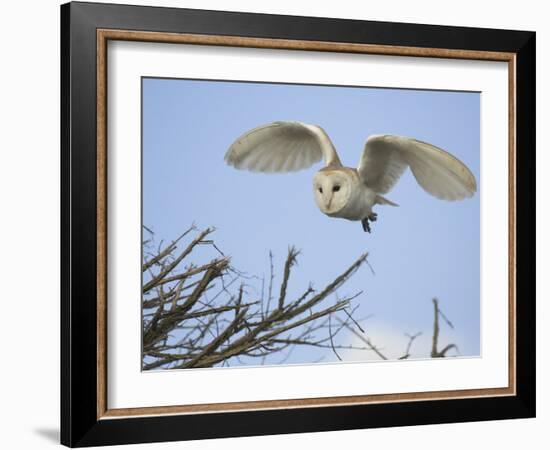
x=423 y=248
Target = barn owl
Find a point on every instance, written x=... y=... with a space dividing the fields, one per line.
x=345 y=192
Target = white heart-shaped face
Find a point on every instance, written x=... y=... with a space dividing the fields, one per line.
x=332 y=190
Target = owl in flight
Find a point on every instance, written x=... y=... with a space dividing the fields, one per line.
x=346 y=192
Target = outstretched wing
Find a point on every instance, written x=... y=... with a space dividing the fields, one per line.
x=385 y=158
x=282 y=147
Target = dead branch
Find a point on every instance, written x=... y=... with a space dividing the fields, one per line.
x=435 y=336
x=411 y=337
x=363 y=337
x=184 y=326
x=207 y=313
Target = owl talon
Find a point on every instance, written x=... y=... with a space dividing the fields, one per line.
x=373 y=217
x=366 y=225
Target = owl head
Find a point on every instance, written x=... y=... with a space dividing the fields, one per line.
x=332 y=190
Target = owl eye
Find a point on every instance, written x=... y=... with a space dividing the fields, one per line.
x=321 y=190
x=335 y=188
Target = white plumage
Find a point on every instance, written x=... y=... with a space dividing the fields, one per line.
x=343 y=191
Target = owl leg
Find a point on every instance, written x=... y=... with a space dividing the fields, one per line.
x=366 y=224
x=372 y=217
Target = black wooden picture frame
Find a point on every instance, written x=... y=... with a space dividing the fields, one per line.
x=82 y=421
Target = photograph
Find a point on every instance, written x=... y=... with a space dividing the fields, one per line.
x=288 y=224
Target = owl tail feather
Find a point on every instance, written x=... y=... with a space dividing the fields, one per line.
x=384 y=201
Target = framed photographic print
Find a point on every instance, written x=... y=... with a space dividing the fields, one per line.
x=277 y=224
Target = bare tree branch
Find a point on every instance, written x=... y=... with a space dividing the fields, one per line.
x=412 y=337
x=184 y=326
x=207 y=313
x=435 y=337
x=363 y=337
x=290 y=261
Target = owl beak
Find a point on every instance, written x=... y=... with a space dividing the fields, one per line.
x=329 y=202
